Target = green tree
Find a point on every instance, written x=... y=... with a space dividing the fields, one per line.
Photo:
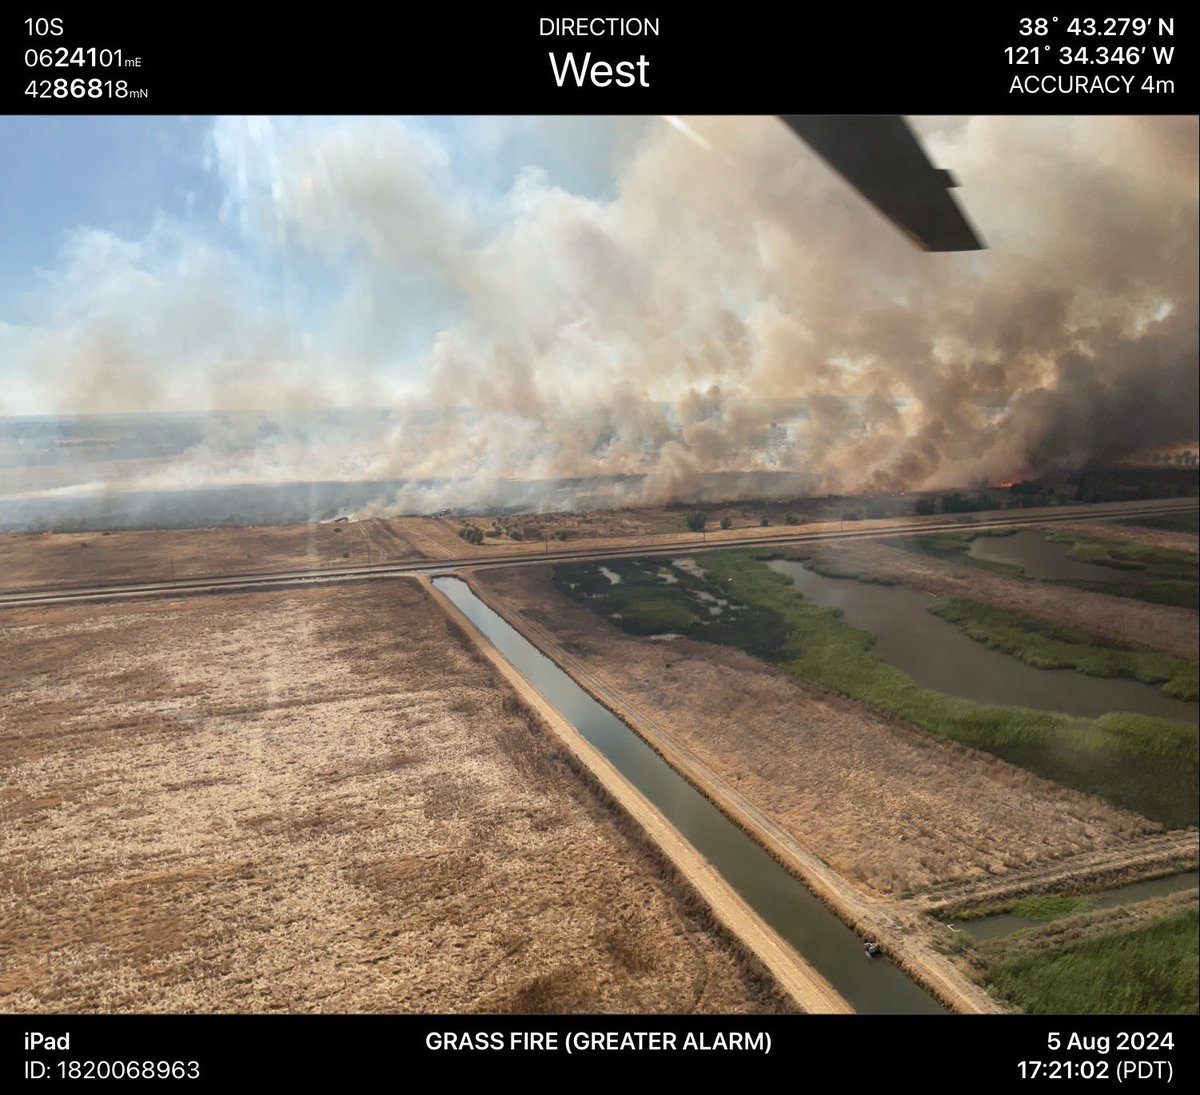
x=726 y=523
x=696 y=521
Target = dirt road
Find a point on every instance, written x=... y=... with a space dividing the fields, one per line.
x=1163 y=853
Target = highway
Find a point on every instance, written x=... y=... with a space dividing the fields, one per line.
x=242 y=583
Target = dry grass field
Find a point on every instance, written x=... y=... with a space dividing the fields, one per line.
x=318 y=800
x=891 y=808
x=73 y=559
x=1133 y=534
x=56 y=559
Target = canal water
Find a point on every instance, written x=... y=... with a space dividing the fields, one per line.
x=833 y=949
x=939 y=655
x=1045 y=559
x=996 y=927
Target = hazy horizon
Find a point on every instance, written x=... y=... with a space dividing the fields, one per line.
x=554 y=298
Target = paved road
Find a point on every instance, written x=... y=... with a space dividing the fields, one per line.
x=242 y=583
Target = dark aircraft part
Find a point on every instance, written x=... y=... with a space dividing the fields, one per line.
x=883 y=160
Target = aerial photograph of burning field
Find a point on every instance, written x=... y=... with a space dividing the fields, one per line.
x=739 y=565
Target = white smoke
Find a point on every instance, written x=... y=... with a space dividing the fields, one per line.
x=722 y=281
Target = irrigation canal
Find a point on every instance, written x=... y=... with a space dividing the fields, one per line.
x=785 y=903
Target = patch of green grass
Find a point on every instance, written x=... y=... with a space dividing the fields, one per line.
x=642 y=603
x=1148 y=971
x=1051 y=906
x=645 y=605
x=1187 y=521
x=653 y=615
x=1169 y=577
x=1049 y=646
x=1035 y=907
x=1153 y=561
x=1145 y=764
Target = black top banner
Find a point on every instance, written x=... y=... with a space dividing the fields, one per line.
x=588 y=58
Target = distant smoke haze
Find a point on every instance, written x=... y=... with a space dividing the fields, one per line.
x=721 y=287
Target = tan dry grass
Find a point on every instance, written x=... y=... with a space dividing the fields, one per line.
x=1153 y=856
x=318 y=800
x=1134 y=534
x=55 y=560
x=889 y=807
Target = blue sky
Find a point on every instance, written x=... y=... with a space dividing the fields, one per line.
x=158 y=194
x=119 y=173
x=115 y=173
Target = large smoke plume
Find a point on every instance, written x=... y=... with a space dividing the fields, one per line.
x=722 y=282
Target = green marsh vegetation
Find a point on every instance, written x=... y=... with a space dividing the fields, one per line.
x=1153 y=574
x=1149 y=970
x=1165 y=576
x=1142 y=763
x=1043 y=906
x=1052 y=646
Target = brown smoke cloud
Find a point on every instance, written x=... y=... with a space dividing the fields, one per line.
x=726 y=285
x=749 y=280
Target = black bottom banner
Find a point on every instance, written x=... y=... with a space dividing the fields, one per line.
x=1014 y=1052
